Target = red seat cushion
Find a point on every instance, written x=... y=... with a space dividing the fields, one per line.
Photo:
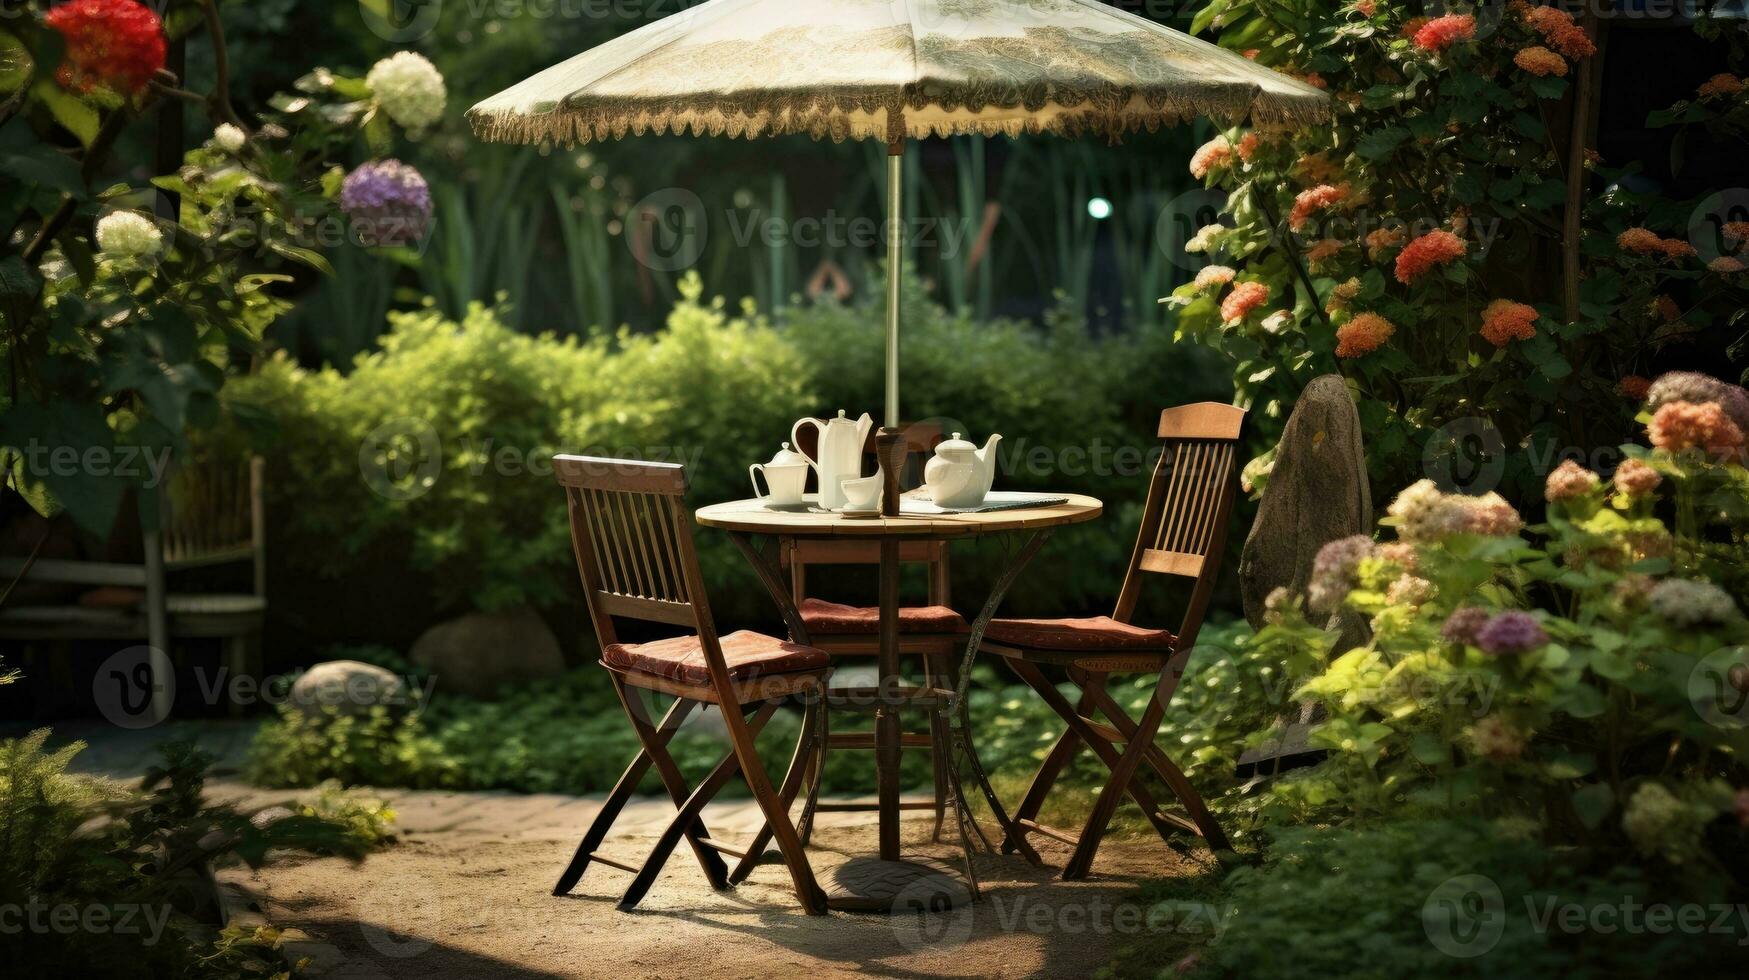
x=1090 y=633
x=681 y=658
x=832 y=619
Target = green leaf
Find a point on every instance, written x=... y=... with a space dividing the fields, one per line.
x=46 y=167
x=1550 y=87
x=304 y=256
x=64 y=445
x=1380 y=143
x=17 y=280
x=74 y=114
x=1592 y=803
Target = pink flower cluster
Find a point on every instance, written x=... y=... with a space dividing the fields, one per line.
x=1443 y=32
x=1436 y=248
x=1569 y=481
x=1245 y=298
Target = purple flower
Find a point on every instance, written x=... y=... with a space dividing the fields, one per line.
x=1511 y=632
x=1333 y=571
x=1698 y=389
x=388 y=201
x=1464 y=624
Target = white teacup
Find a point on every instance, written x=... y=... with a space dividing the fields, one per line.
x=862 y=494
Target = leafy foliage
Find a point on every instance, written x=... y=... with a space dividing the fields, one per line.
x=124 y=305
x=1461 y=142
x=432 y=454
x=137 y=865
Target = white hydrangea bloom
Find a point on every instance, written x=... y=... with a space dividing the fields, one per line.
x=1205 y=237
x=126 y=234
x=229 y=138
x=409 y=88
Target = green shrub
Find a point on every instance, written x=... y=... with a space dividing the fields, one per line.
x=137 y=862
x=1424 y=898
x=1589 y=679
x=357 y=493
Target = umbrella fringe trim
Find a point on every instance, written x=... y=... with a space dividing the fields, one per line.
x=826 y=118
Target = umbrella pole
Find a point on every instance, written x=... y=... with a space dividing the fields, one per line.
x=889 y=446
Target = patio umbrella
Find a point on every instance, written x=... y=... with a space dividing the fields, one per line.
x=892 y=70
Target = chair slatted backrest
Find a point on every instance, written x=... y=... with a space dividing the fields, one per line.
x=211 y=511
x=1190 y=500
x=633 y=540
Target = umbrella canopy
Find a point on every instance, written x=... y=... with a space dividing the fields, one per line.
x=892 y=69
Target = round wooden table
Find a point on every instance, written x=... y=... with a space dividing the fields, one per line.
x=875 y=884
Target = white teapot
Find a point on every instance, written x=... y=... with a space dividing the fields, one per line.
x=960 y=474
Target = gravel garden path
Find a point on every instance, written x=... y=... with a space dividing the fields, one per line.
x=464 y=893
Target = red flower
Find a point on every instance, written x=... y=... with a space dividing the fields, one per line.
x=1443 y=32
x=1633 y=387
x=1505 y=321
x=116 y=44
x=1437 y=247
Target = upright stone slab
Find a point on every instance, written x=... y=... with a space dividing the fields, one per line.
x=1317 y=492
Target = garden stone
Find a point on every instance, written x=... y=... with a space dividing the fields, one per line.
x=350 y=687
x=478 y=653
x=1317 y=492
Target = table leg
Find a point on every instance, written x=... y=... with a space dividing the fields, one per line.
x=887 y=721
x=998 y=592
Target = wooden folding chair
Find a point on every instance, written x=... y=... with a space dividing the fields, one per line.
x=932 y=633
x=633 y=539
x=1184 y=530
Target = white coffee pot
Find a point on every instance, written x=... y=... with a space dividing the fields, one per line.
x=837 y=453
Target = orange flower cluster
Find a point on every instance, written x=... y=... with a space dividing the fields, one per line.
x=1367 y=8
x=1443 y=32
x=1215 y=153
x=1504 y=321
x=1677 y=426
x=1540 y=61
x=1413 y=26
x=1437 y=247
x=1665 y=308
x=1343 y=294
x=1248 y=146
x=1720 y=84
x=1381 y=240
x=1736 y=231
x=1245 y=298
x=1633 y=387
x=1314 y=79
x=1726 y=264
x=1323 y=250
x=1314 y=199
x=1560 y=31
x=1644 y=241
x=1364 y=334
